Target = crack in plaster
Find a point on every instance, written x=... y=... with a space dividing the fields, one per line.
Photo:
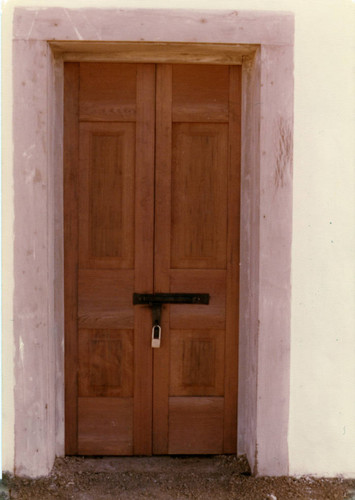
x=32 y=25
x=22 y=349
x=99 y=37
x=283 y=152
x=73 y=25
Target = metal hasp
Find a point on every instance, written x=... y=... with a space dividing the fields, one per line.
x=156 y=300
x=150 y=299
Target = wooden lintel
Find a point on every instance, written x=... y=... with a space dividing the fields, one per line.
x=157 y=52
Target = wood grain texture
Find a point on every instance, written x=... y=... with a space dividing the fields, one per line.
x=107 y=92
x=144 y=224
x=105 y=363
x=105 y=426
x=187 y=316
x=200 y=93
x=153 y=52
x=71 y=158
x=194 y=237
x=195 y=425
x=199 y=196
x=105 y=298
x=232 y=318
x=162 y=252
x=158 y=211
x=197 y=364
x=113 y=212
x=106 y=206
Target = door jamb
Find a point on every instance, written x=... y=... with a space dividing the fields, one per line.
x=140 y=52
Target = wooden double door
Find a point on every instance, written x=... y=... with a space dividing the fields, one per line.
x=151 y=197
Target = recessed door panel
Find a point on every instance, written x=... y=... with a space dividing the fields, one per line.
x=151 y=206
x=199 y=196
x=106 y=198
x=105 y=363
x=197 y=367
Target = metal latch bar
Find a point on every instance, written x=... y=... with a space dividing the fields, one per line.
x=151 y=299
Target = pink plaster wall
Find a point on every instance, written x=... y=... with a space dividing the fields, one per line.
x=211 y=26
x=275 y=214
x=249 y=257
x=34 y=386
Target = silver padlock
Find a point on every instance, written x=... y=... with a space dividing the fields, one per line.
x=156 y=336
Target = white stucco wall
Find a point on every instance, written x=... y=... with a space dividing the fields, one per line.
x=322 y=400
x=322 y=405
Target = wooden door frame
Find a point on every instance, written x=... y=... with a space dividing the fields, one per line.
x=151 y=52
x=264 y=44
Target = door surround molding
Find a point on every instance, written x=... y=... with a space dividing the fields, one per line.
x=263 y=44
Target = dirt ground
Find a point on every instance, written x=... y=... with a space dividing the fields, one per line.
x=217 y=477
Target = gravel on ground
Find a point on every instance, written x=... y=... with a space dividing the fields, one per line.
x=212 y=477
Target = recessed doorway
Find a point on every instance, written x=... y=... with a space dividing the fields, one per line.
x=151 y=205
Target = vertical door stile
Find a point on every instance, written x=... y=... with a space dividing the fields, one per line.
x=71 y=160
x=232 y=316
x=162 y=252
x=144 y=206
